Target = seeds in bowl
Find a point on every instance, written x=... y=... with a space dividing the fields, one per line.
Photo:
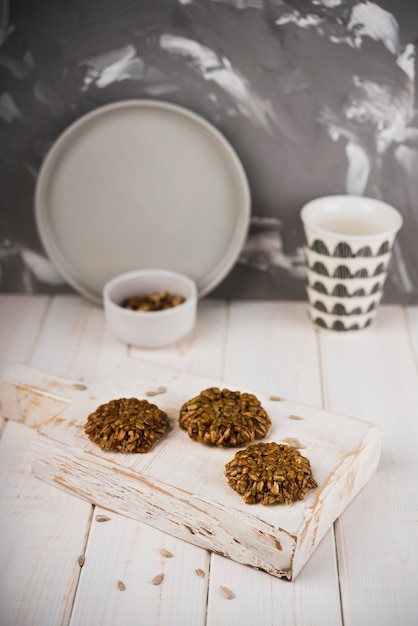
x=269 y=473
x=156 y=301
x=224 y=418
x=126 y=425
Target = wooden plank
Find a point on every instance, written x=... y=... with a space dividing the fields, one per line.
x=312 y=599
x=181 y=599
x=20 y=318
x=118 y=584
x=201 y=352
x=43 y=534
x=412 y=320
x=271 y=347
x=44 y=531
x=74 y=342
x=303 y=598
x=373 y=375
x=25 y=402
x=278 y=354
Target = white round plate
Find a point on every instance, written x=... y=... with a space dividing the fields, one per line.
x=141 y=183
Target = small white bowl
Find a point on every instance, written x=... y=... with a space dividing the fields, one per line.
x=150 y=329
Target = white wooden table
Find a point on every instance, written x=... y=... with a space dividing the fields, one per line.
x=60 y=565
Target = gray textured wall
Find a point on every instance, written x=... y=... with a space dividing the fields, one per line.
x=317 y=97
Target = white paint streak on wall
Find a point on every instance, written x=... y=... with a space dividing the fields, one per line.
x=205 y=58
x=303 y=21
x=219 y=70
x=5 y=27
x=45 y=93
x=358 y=170
x=246 y=4
x=376 y=103
x=162 y=89
x=9 y=110
x=330 y=4
x=369 y=104
x=402 y=273
x=366 y=20
x=113 y=66
x=406 y=61
x=36 y=266
x=348 y=40
x=263 y=249
x=369 y=19
x=407 y=157
x=41 y=267
x=239 y=4
x=18 y=68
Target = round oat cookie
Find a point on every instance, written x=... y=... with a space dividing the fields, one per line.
x=126 y=425
x=224 y=418
x=270 y=473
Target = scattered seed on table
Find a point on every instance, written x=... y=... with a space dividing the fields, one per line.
x=293 y=442
x=102 y=518
x=121 y=585
x=157 y=580
x=81 y=560
x=166 y=553
x=200 y=572
x=155 y=392
x=229 y=595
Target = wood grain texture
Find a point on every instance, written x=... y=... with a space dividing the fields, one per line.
x=203 y=351
x=19 y=326
x=21 y=320
x=74 y=343
x=43 y=533
x=377 y=536
x=271 y=348
x=25 y=402
x=122 y=549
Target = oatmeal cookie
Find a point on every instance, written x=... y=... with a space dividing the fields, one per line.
x=224 y=418
x=270 y=473
x=126 y=425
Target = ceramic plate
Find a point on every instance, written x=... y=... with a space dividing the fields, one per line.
x=141 y=183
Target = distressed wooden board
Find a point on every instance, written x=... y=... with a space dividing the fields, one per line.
x=179 y=487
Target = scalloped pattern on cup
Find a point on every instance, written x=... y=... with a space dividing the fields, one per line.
x=349 y=288
x=343 y=306
x=341 y=323
x=343 y=271
x=356 y=267
x=335 y=247
x=343 y=250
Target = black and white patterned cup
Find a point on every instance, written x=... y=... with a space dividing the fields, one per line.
x=349 y=241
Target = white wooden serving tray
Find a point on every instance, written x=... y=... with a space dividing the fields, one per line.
x=179 y=486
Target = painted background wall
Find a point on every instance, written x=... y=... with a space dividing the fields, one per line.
x=316 y=96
